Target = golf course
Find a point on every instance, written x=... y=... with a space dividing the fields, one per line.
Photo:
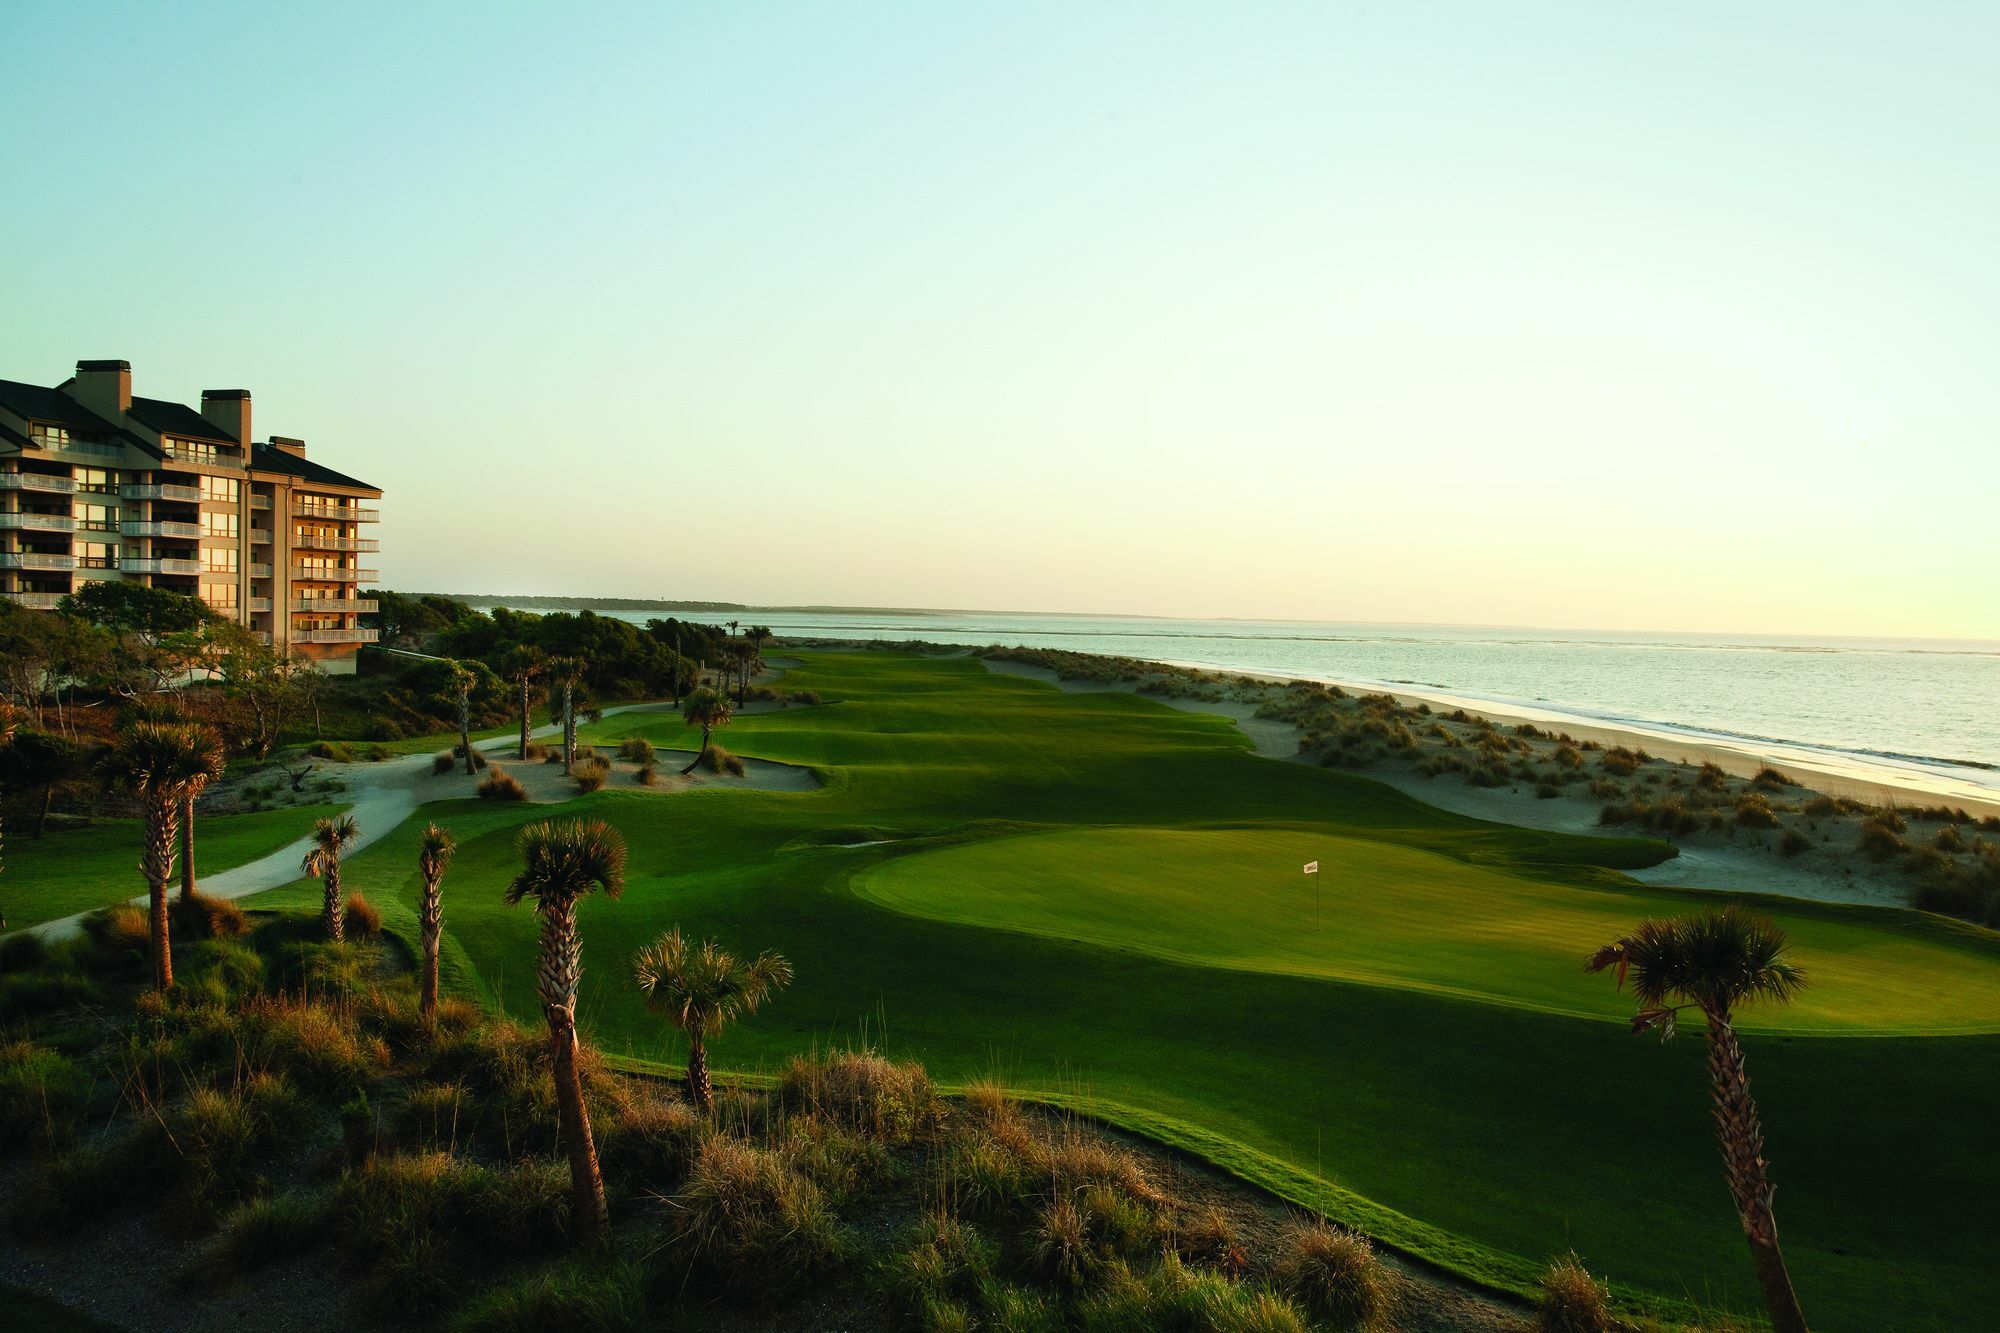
x=1099 y=899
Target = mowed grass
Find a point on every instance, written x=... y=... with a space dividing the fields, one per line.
x=1392 y=915
x=1486 y=1136
x=74 y=870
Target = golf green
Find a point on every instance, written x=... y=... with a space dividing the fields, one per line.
x=1097 y=897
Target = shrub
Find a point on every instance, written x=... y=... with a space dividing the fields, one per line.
x=500 y=785
x=223 y=971
x=1879 y=836
x=1792 y=843
x=1573 y=1301
x=43 y=1096
x=338 y=752
x=362 y=918
x=648 y=1141
x=1333 y=1273
x=1753 y=810
x=943 y=1260
x=1949 y=839
x=805 y=696
x=25 y=994
x=590 y=774
x=752 y=1220
x=536 y=752
x=198 y=916
x=648 y=775
x=1620 y=761
x=443 y=763
x=1547 y=791
x=864 y=1091
x=1063 y=1253
x=720 y=760
x=261 y=1232
x=1770 y=779
x=478 y=756
x=121 y=938
x=1566 y=755
x=579 y=1296
x=1173 y=1296
x=636 y=749
x=1711 y=778
x=22 y=952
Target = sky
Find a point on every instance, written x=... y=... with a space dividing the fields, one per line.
x=1565 y=314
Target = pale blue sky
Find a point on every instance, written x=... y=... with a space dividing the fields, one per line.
x=1603 y=315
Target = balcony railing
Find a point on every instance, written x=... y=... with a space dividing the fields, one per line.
x=78 y=448
x=141 y=528
x=37 y=522
x=140 y=565
x=334 y=513
x=321 y=575
x=260 y=537
x=334 y=636
x=259 y=604
x=160 y=491
x=260 y=571
x=35 y=481
x=316 y=542
x=35 y=601
x=337 y=606
x=259 y=501
x=35 y=560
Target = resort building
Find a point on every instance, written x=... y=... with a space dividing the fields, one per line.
x=97 y=483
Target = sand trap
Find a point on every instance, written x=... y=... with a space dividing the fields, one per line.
x=547 y=784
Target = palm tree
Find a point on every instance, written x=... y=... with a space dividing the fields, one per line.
x=521 y=664
x=1714 y=962
x=677 y=664
x=708 y=710
x=330 y=838
x=702 y=991
x=9 y=719
x=758 y=635
x=163 y=764
x=564 y=673
x=564 y=861
x=461 y=685
x=434 y=849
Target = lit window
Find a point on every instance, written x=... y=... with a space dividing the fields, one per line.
x=215 y=524
x=219 y=559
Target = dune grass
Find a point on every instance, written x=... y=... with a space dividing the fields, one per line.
x=1490 y=1137
x=81 y=869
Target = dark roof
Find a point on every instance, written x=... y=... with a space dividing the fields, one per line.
x=176 y=419
x=269 y=458
x=104 y=365
x=59 y=409
x=12 y=436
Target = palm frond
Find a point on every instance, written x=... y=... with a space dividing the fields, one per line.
x=567 y=859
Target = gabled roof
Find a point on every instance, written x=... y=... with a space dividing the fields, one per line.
x=270 y=458
x=59 y=409
x=177 y=419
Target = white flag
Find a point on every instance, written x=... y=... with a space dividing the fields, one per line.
x=1312 y=867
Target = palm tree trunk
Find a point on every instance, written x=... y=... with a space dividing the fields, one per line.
x=187 y=848
x=465 y=730
x=1742 y=1139
x=430 y=921
x=569 y=727
x=159 y=868
x=558 y=970
x=700 y=1087
x=331 y=913
x=698 y=754
x=48 y=801
x=523 y=754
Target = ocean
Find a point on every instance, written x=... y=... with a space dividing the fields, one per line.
x=1913 y=712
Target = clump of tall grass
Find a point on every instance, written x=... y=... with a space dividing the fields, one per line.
x=1753 y=810
x=1335 y=1274
x=43 y=1097
x=260 y=1232
x=362 y=920
x=198 y=916
x=1573 y=1301
x=500 y=785
x=863 y=1090
x=1174 y=1296
x=478 y=756
x=586 y=1294
x=637 y=750
x=442 y=764
x=753 y=1220
x=648 y=775
x=721 y=761
x=590 y=774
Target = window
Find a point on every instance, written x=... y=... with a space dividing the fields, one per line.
x=96 y=481
x=193 y=451
x=219 y=559
x=48 y=435
x=223 y=489
x=215 y=524
x=221 y=596
x=102 y=518
x=97 y=555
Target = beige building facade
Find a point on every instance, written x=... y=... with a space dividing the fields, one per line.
x=98 y=483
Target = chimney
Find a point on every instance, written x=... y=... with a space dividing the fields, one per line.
x=297 y=448
x=105 y=387
x=229 y=409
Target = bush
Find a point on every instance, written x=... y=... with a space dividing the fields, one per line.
x=719 y=761
x=1879 y=836
x=752 y=1220
x=478 y=756
x=864 y=1091
x=443 y=763
x=536 y=752
x=338 y=752
x=43 y=1096
x=22 y=952
x=944 y=1260
x=636 y=749
x=579 y=1296
x=1573 y=1301
x=1754 y=811
x=1793 y=842
x=805 y=696
x=500 y=785
x=262 y=1232
x=25 y=994
x=198 y=916
x=1173 y=1296
x=590 y=774
x=1547 y=791
x=1333 y=1273
x=647 y=776
x=362 y=918
x=1770 y=779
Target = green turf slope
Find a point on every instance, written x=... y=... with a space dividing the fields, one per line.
x=1379 y=1079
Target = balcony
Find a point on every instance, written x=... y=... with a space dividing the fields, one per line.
x=35 y=601
x=35 y=560
x=334 y=636
x=80 y=448
x=35 y=481
x=259 y=501
x=151 y=491
x=259 y=537
x=138 y=565
x=334 y=513
x=316 y=542
x=337 y=606
x=260 y=571
x=183 y=531
x=310 y=574
x=37 y=522
x=260 y=604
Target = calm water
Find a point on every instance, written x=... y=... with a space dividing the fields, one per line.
x=1924 y=709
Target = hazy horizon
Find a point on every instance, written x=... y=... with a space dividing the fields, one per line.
x=1607 y=318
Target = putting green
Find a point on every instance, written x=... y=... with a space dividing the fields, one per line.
x=1391 y=915
x=1485 y=1134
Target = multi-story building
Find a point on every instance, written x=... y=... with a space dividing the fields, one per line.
x=97 y=483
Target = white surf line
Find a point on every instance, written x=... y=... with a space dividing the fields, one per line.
x=380 y=796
